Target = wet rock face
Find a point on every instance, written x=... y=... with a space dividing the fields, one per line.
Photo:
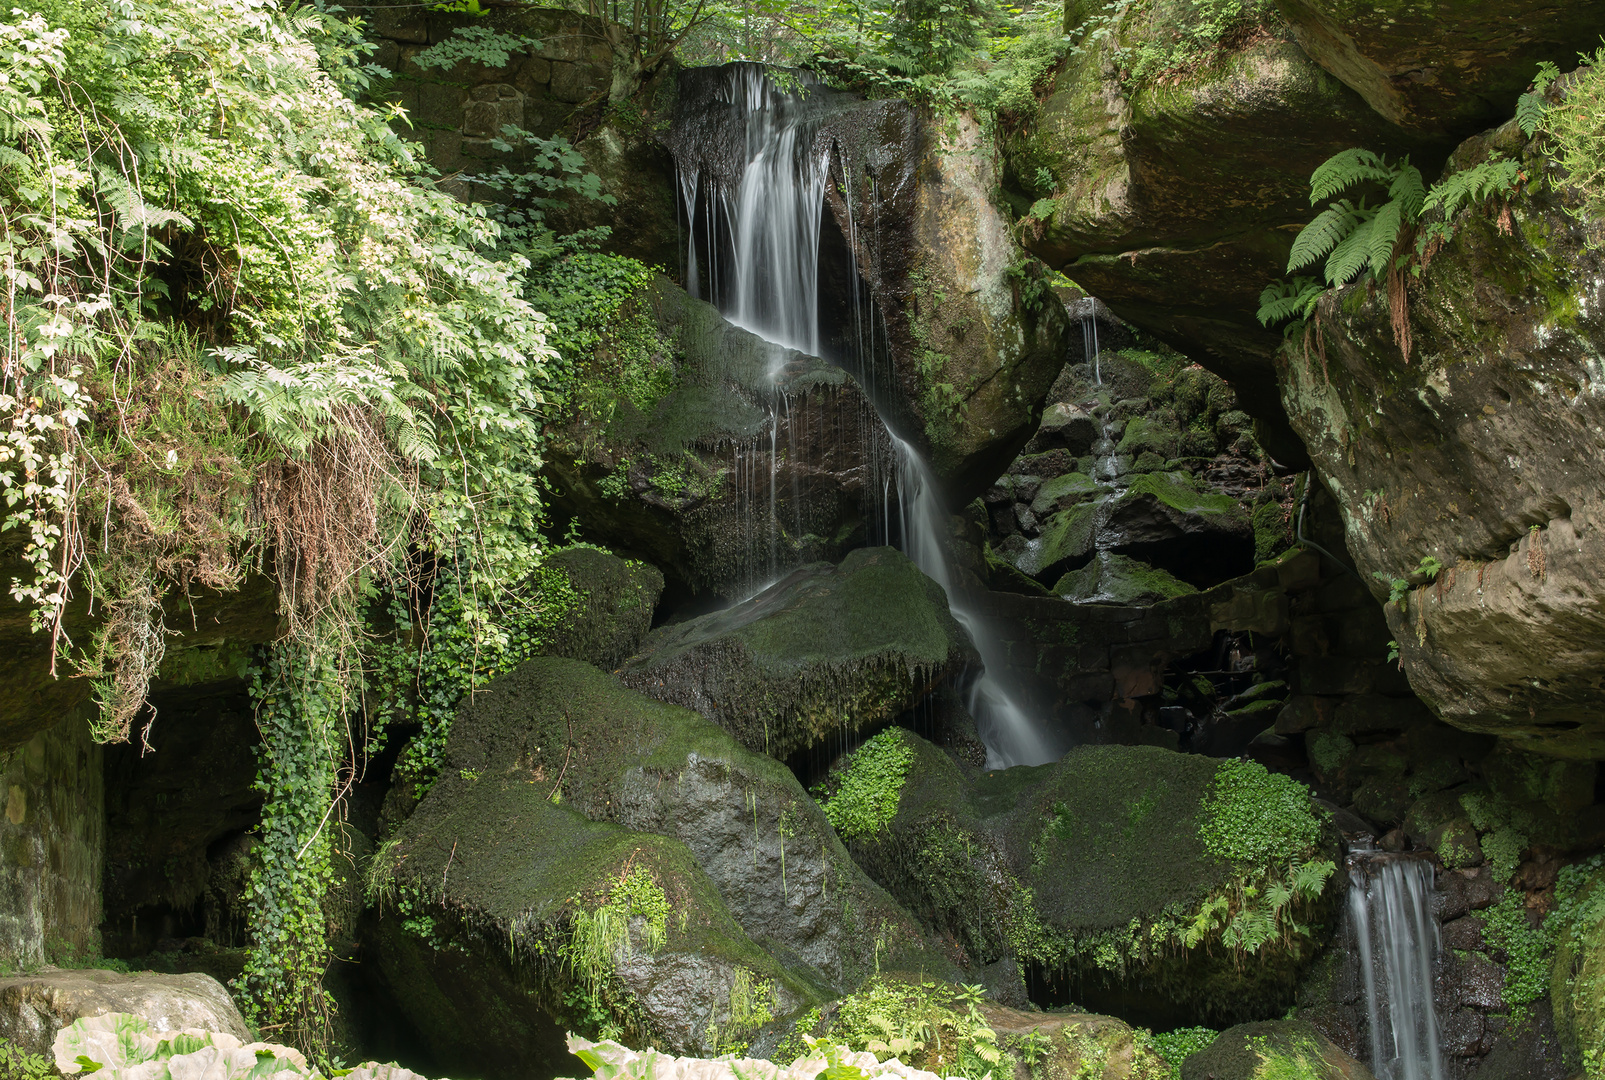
x=1445 y=68
x=1143 y=481
x=825 y=651
x=720 y=457
x=1481 y=452
x=924 y=292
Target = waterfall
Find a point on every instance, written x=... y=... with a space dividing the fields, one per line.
x=1391 y=913
x=770 y=228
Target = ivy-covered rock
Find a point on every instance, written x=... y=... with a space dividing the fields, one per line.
x=1273 y=1050
x=610 y=608
x=558 y=758
x=1479 y=454
x=1124 y=871
x=717 y=455
x=825 y=650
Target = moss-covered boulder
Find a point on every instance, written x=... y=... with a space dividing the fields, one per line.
x=501 y=910
x=1274 y=1050
x=559 y=790
x=1167 y=189
x=1481 y=452
x=1144 y=881
x=1116 y=579
x=1441 y=69
x=714 y=453
x=825 y=650
x=611 y=601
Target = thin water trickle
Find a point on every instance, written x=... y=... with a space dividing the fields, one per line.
x=1390 y=905
x=772 y=225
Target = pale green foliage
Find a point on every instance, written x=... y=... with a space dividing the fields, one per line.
x=611 y=1061
x=474 y=44
x=1176 y=1046
x=1530 y=107
x=1576 y=131
x=601 y=934
x=866 y=798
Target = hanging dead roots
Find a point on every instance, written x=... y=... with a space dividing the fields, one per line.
x=333 y=517
x=128 y=651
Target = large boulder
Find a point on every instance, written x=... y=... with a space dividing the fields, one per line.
x=558 y=785
x=1118 y=873
x=33 y=1008
x=718 y=455
x=1446 y=68
x=1172 y=199
x=823 y=652
x=1481 y=452
x=1270 y=1051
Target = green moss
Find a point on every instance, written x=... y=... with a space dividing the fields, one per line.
x=1180 y=491
x=1577 y=973
x=1143 y=434
x=1119 y=579
x=1329 y=752
x=606 y=607
x=1273 y=1050
x=865 y=799
x=1067 y=535
x=1526 y=944
x=1273 y=530
x=1075 y=485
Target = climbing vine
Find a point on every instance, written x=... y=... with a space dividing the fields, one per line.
x=298 y=693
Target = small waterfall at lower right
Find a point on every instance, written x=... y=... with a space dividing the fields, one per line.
x=1390 y=908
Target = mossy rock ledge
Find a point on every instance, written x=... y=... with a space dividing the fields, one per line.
x=558 y=785
x=826 y=649
x=1118 y=873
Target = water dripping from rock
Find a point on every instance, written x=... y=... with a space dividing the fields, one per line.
x=1390 y=908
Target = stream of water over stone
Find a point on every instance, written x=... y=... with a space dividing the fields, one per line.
x=762 y=249
x=1390 y=905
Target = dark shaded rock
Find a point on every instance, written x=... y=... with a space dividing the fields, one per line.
x=1273 y=1048
x=825 y=650
x=614 y=601
x=1462 y=891
x=1440 y=69
x=1478 y=982
x=731 y=423
x=1067 y=427
x=1463 y=934
x=1164 y=519
x=1461 y=1033
x=1479 y=454
x=1174 y=203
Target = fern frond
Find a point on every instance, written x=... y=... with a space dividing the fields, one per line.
x=1288 y=300
x=1384 y=231
x=1409 y=191
x=1498 y=176
x=1342 y=171
x=1352 y=254
x=1317 y=239
x=1530 y=111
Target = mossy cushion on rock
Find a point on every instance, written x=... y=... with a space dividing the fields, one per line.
x=728 y=832
x=825 y=650
x=1577 y=977
x=1121 y=869
x=612 y=609
x=1274 y=1050
x=668 y=451
x=1115 y=579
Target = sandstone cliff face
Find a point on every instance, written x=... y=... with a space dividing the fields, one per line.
x=1482 y=451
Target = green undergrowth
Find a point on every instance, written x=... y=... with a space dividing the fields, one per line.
x=1176 y=1046
x=862 y=800
x=1577 y=975
x=929 y=1025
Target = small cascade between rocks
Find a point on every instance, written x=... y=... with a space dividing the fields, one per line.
x=1390 y=911
x=761 y=243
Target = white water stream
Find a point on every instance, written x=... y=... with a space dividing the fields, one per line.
x=772 y=221
x=1390 y=905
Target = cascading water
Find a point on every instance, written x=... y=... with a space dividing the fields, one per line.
x=768 y=230
x=1390 y=910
